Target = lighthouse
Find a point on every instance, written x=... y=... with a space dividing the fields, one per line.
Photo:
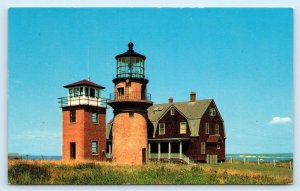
x=83 y=122
x=130 y=102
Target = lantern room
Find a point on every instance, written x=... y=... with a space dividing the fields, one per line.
x=130 y=64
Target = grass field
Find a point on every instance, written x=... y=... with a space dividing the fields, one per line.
x=76 y=172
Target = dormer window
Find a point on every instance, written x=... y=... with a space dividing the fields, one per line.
x=212 y=111
x=172 y=111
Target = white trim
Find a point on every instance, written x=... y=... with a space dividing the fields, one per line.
x=203 y=148
x=185 y=123
x=172 y=111
x=206 y=128
x=217 y=127
x=164 y=128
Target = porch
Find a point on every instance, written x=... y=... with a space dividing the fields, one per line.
x=172 y=148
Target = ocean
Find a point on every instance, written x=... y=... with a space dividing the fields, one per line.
x=262 y=157
x=240 y=157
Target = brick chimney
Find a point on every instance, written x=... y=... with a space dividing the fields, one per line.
x=170 y=100
x=193 y=97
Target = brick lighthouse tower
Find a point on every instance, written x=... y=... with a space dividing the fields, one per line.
x=83 y=122
x=130 y=102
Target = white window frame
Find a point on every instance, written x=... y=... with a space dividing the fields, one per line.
x=203 y=149
x=218 y=145
x=172 y=111
x=81 y=90
x=180 y=129
x=71 y=92
x=206 y=128
x=161 y=126
x=87 y=91
x=76 y=92
x=92 y=90
x=95 y=146
x=212 y=111
x=97 y=116
x=217 y=129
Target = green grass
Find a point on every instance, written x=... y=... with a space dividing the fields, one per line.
x=43 y=172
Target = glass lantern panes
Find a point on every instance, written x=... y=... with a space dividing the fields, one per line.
x=130 y=67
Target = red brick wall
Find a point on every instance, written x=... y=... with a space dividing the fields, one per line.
x=129 y=137
x=83 y=132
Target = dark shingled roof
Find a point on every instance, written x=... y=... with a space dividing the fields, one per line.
x=213 y=138
x=84 y=82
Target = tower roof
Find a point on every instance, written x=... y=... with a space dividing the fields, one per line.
x=131 y=53
x=84 y=82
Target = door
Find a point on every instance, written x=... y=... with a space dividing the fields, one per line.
x=73 y=150
x=144 y=155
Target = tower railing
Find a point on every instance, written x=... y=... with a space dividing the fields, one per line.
x=130 y=75
x=132 y=95
x=82 y=100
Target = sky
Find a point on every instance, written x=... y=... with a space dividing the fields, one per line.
x=242 y=58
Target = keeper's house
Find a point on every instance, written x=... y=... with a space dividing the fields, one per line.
x=190 y=131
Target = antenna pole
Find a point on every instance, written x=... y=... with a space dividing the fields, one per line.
x=89 y=64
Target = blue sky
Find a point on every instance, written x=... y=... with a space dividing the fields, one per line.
x=242 y=58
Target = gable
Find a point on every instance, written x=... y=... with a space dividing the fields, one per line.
x=166 y=111
x=193 y=112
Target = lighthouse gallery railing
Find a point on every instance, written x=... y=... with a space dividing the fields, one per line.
x=132 y=95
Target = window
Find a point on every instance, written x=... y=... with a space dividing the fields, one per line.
x=94 y=147
x=218 y=146
x=76 y=92
x=71 y=92
x=92 y=92
x=182 y=127
x=97 y=94
x=87 y=91
x=131 y=114
x=161 y=129
x=206 y=128
x=81 y=91
x=121 y=91
x=95 y=116
x=172 y=111
x=72 y=116
x=212 y=111
x=217 y=129
x=202 y=147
